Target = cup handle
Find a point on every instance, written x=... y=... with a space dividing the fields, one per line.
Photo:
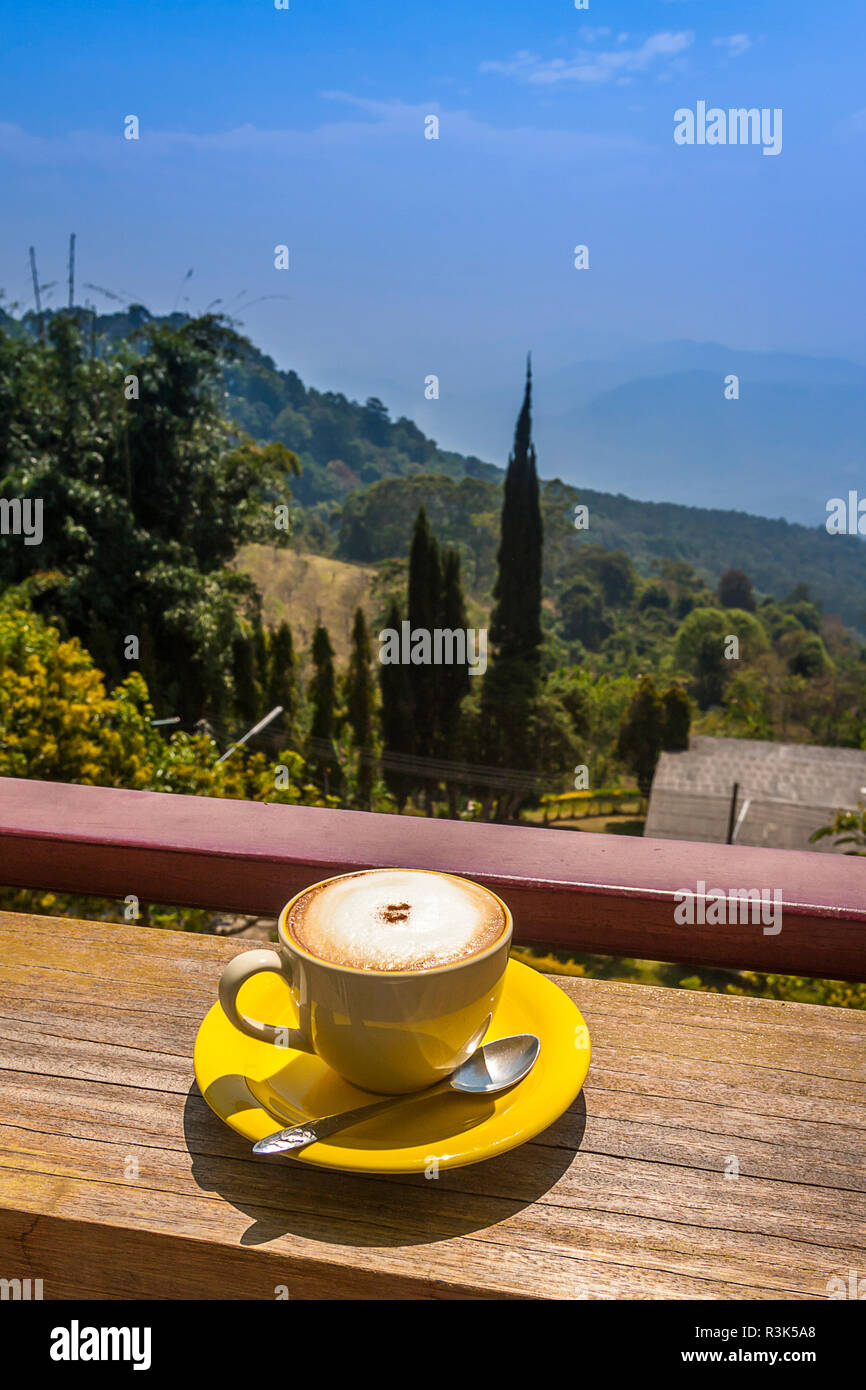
x=242 y=968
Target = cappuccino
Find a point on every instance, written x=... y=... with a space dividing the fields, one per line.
x=395 y=919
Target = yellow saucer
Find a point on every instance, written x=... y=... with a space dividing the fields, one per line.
x=258 y=1088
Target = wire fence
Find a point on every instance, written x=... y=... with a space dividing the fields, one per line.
x=324 y=752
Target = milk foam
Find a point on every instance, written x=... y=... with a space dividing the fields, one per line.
x=396 y=919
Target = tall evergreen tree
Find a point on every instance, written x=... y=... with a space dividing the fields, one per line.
x=453 y=681
x=359 y=706
x=322 y=691
x=261 y=649
x=425 y=584
x=247 y=691
x=282 y=676
x=677 y=719
x=425 y=587
x=511 y=685
x=395 y=717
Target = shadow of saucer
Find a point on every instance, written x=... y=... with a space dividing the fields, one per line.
x=284 y=1196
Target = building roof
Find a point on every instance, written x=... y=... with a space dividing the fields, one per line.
x=786 y=791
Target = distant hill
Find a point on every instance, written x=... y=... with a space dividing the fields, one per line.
x=375 y=523
x=654 y=422
x=783 y=449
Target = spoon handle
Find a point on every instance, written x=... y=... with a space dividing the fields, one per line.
x=298 y=1136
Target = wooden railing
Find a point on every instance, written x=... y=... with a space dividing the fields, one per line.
x=587 y=893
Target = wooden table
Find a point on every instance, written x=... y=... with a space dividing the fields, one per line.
x=626 y=1196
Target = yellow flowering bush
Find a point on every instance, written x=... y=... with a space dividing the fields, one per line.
x=59 y=724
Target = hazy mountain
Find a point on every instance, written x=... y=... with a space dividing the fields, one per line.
x=654 y=423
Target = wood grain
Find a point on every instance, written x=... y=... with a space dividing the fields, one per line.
x=590 y=893
x=624 y=1197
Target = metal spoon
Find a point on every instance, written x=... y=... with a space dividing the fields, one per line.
x=493 y=1068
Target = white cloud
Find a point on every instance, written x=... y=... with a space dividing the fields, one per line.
x=734 y=44
x=596 y=67
x=369 y=123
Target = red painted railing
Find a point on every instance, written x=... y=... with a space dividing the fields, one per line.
x=614 y=895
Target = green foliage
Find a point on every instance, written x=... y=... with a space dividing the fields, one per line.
x=838 y=994
x=689 y=548
x=359 y=706
x=849 y=828
x=322 y=693
x=398 y=728
x=425 y=585
x=453 y=681
x=582 y=615
x=676 y=719
x=146 y=500
x=804 y=653
x=735 y=591
x=700 y=648
x=612 y=571
x=58 y=723
x=511 y=684
x=340 y=443
x=282 y=686
x=247 y=690
x=652 y=722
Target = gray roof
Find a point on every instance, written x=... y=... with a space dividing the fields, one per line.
x=786 y=790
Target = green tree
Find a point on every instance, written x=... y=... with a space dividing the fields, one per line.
x=805 y=654
x=398 y=729
x=322 y=692
x=676 y=719
x=582 y=615
x=148 y=493
x=702 y=645
x=641 y=733
x=261 y=649
x=614 y=573
x=453 y=681
x=359 y=706
x=735 y=591
x=425 y=586
x=511 y=684
x=282 y=677
x=247 y=691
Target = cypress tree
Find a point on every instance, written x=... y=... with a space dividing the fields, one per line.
x=322 y=691
x=395 y=717
x=453 y=681
x=359 y=705
x=677 y=719
x=247 y=692
x=261 y=651
x=511 y=684
x=282 y=676
x=425 y=586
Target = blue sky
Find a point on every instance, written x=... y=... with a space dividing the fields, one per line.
x=410 y=256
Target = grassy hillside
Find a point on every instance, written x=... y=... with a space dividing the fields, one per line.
x=300 y=587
